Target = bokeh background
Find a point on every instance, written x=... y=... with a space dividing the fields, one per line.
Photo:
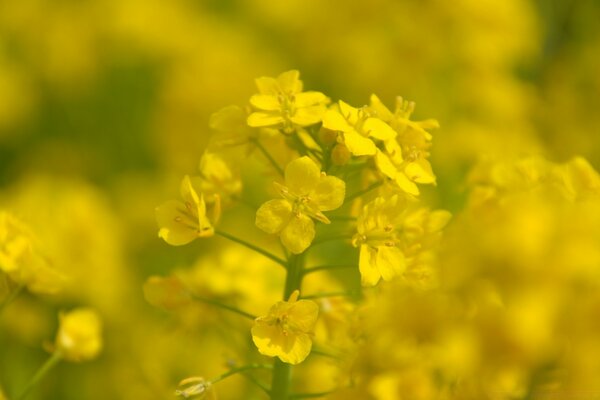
x=104 y=106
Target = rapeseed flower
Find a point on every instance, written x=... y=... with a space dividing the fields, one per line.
x=181 y=222
x=286 y=331
x=281 y=103
x=306 y=194
x=358 y=128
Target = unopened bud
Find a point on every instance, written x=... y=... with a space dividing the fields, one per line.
x=340 y=155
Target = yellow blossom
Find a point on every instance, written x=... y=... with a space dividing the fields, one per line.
x=217 y=179
x=281 y=103
x=404 y=158
x=387 y=234
x=79 y=335
x=181 y=222
x=358 y=128
x=196 y=387
x=306 y=194
x=286 y=331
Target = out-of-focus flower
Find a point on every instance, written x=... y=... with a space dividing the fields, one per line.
x=217 y=180
x=286 y=331
x=20 y=259
x=281 y=103
x=79 y=335
x=388 y=233
x=306 y=194
x=168 y=293
x=181 y=222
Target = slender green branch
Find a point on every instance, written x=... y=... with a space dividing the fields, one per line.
x=347 y=293
x=252 y=247
x=268 y=156
x=311 y=395
x=11 y=297
x=45 y=368
x=257 y=382
x=364 y=191
x=223 y=306
x=327 y=268
x=238 y=370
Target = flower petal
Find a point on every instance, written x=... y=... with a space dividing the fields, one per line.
x=273 y=215
x=336 y=122
x=420 y=171
x=298 y=234
x=378 y=129
x=267 y=85
x=302 y=175
x=260 y=119
x=175 y=228
x=308 y=115
x=358 y=144
x=381 y=110
x=369 y=274
x=390 y=262
x=266 y=102
x=385 y=165
x=290 y=82
x=303 y=315
x=306 y=99
x=329 y=193
x=406 y=184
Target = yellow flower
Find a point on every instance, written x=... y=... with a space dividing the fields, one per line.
x=388 y=234
x=281 y=103
x=307 y=192
x=358 y=128
x=79 y=335
x=286 y=332
x=403 y=158
x=180 y=222
x=196 y=387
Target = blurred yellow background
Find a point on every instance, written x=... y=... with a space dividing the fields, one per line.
x=104 y=106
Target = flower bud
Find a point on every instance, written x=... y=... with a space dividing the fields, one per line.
x=340 y=154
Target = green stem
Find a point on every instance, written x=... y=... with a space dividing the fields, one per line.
x=327 y=268
x=12 y=297
x=238 y=370
x=282 y=372
x=268 y=156
x=252 y=247
x=223 y=306
x=363 y=191
x=330 y=294
x=48 y=365
x=257 y=382
x=311 y=395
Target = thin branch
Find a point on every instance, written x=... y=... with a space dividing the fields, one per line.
x=268 y=156
x=327 y=268
x=223 y=306
x=239 y=370
x=252 y=247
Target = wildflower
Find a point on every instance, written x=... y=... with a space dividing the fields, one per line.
x=306 y=194
x=403 y=158
x=79 y=335
x=286 y=331
x=358 y=128
x=388 y=233
x=181 y=222
x=166 y=292
x=281 y=103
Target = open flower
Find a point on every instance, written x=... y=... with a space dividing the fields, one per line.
x=390 y=237
x=79 y=335
x=180 y=222
x=404 y=158
x=286 y=331
x=306 y=194
x=358 y=128
x=281 y=103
